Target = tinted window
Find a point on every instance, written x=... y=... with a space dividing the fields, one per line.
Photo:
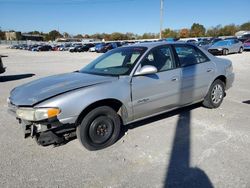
x=189 y=55
x=161 y=58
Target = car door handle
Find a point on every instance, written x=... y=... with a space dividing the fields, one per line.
x=210 y=70
x=174 y=79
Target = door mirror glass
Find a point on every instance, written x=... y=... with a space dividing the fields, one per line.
x=146 y=69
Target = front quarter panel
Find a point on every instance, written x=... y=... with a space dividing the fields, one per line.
x=74 y=102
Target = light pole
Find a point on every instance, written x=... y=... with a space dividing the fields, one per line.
x=161 y=18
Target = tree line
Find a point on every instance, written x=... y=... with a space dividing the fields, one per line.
x=196 y=30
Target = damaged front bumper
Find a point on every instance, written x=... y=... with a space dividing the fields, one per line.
x=46 y=132
x=46 y=135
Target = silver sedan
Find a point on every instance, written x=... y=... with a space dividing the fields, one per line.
x=122 y=86
x=225 y=47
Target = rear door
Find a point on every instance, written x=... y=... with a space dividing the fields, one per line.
x=157 y=92
x=197 y=72
x=234 y=45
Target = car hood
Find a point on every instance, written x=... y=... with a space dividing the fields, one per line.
x=39 y=90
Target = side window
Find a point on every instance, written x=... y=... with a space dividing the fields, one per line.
x=201 y=58
x=188 y=55
x=161 y=58
x=236 y=41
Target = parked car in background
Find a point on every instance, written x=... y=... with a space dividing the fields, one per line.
x=64 y=47
x=204 y=44
x=84 y=47
x=122 y=86
x=170 y=39
x=247 y=44
x=92 y=49
x=45 y=48
x=214 y=40
x=244 y=38
x=23 y=46
x=191 y=41
x=56 y=47
x=75 y=48
x=2 y=68
x=30 y=47
x=102 y=48
x=13 y=47
x=225 y=47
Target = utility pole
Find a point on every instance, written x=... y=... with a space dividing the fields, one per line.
x=161 y=18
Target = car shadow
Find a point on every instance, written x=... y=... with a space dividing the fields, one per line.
x=15 y=77
x=179 y=173
x=246 y=102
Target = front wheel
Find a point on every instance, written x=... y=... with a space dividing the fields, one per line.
x=215 y=95
x=99 y=129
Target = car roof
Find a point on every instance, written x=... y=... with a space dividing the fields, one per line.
x=155 y=44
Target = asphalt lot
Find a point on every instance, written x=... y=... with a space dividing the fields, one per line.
x=201 y=147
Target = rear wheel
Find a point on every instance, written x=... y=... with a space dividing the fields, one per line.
x=215 y=95
x=225 y=52
x=240 y=50
x=99 y=129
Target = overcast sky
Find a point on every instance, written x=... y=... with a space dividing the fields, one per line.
x=137 y=16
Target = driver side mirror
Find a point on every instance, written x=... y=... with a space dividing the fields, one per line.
x=146 y=69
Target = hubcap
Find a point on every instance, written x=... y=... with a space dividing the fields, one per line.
x=101 y=129
x=217 y=94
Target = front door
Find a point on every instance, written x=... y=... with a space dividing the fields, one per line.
x=157 y=92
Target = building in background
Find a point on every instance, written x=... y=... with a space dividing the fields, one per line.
x=22 y=36
x=12 y=35
x=33 y=37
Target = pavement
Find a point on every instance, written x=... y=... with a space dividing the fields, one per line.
x=189 y=147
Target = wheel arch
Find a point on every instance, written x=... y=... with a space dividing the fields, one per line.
x=115 y=104
x=222 y=78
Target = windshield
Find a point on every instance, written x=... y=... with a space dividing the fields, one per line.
x=221 y=43
x=119 y=61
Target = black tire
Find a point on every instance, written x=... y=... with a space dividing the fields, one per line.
x=99 y=129
x=225 y=51
x=240 y=50
x=209 y=100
